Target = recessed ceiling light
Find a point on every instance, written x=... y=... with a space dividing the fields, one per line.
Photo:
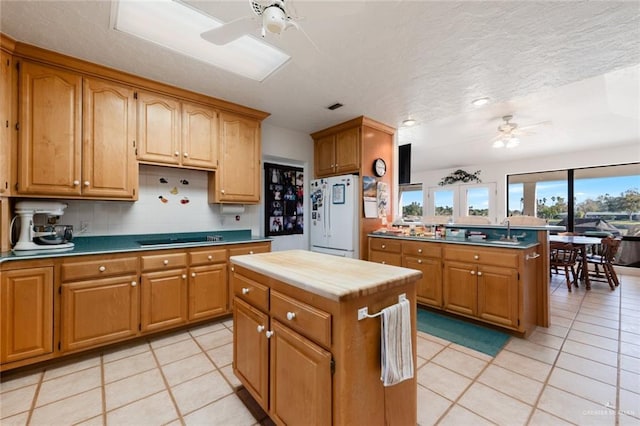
x=178 y=27
x=409 y=122
x=480 y=101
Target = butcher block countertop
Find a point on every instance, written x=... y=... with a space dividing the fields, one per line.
x=332 y=277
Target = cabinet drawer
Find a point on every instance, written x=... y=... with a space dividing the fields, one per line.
x=251 y=291
x=164 y=261
x=413 y=248
x=385 y=245
x=385 y=258
x=249 y=249
x=74 y=270
x=305 y=319
x=203 y=257
x=497 y=257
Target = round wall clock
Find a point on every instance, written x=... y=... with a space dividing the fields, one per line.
x=379 y=167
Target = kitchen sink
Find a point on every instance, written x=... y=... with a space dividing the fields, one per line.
x=504 y=242
x=183 y=240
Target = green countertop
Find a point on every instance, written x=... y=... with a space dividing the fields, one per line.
x=133 y=243
x=524 y=244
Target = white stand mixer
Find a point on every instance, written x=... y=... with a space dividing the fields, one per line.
x=25 y=211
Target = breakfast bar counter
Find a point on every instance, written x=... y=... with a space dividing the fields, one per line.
x=303 y=348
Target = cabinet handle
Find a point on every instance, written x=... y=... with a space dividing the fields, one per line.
x=193 y=274
x=185 y=155
x=76 y=182
x=86 y=183
x=211 y=258
x=384 y=246
x=222 y=191
x=479 y=273
x=245 y=290
x=419 y=260
x=269 y=333
x=419 y=250
x=532 y=256
x=472 y=272
x=383 y=262
x=102 y=268
x=166 y=261
x=177 y=154
x=184 y=276
x=260 y=328
x=133 y=283
x=233 y=269
x=476 y=257
x=291 y=315
x=250 y=251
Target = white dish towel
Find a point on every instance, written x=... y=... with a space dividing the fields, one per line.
x=396 y=355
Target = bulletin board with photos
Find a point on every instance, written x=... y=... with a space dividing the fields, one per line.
x=284 y=200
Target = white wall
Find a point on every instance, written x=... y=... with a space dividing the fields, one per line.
x=497 y=172
x=150 y=215
x=291 y=148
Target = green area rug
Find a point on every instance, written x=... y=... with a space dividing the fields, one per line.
x=476 y=337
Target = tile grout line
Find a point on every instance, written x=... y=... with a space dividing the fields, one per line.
x=103 y=389
x=166 y=382
x=35 y=397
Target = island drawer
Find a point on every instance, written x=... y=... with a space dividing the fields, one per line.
x=203 y=257
x=385 y=245
x=164 y=261
x=99 y=266
x=249 y=249
x=422 y=249
x=251 y=291
x=497 y=257
x=306 y=320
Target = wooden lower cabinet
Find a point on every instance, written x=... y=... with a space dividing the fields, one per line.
x=498 y=295
x=207 y=291
x=99 y=311
x=163 y=300
x=26 y=313
x=385 y=251
x=461 y=288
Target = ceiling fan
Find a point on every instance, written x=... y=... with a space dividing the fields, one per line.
x=509 y=133
x=274 y=16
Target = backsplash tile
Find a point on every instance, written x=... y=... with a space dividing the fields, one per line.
x=150 y=215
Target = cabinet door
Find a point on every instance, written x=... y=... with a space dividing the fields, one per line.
x=300 y=389
x=163 y=301
x=158 y=129
x=199 y=136
x=498 y=295
x=429 y=287
x=348 y=151
x=99 y=311
x=6 y=121
x=49 y=151
x=27 y=313
x=207 y=291
x=109 y=129
x=325 y=156
x=238 y=176
x=460 y=286
x=251 y=350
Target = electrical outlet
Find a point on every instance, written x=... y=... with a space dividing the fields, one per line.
x=84 y=227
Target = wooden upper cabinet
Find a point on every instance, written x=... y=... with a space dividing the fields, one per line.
x=109 y=166
x=237 y=179
x=199 y=136
x=6 y=122
x=49 y=149
x=158 y=129
x=338 y=153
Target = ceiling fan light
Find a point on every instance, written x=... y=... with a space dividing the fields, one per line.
x=274 y=19
x=409 y=122
x=498 y=144
x=480 y=101
x=512 y=142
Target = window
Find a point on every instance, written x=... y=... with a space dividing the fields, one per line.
x=411 y=200
x=463 y=200
x=593 y=200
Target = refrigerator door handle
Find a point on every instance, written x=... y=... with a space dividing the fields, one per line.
x=330 y=197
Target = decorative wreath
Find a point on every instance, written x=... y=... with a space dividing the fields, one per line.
x=460 y=176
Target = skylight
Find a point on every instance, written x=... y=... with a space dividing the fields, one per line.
x=178 y=27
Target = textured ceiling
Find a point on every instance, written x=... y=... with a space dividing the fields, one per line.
x=572 y=64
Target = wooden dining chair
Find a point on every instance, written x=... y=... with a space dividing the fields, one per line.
x=604 y=260
x=565 y=256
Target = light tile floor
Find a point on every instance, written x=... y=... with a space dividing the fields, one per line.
x=584 y=369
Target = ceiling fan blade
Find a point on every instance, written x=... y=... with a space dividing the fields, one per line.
x=534 y=125
x=230 y=31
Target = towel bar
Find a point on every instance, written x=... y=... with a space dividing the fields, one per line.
x=364 y=312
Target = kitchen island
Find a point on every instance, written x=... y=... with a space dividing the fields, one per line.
x=300 y=348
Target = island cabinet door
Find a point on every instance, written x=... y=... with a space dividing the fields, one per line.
x=498 y=295
x=300 y=391
x=460 y=287
x=251 y=350
x=429 y=287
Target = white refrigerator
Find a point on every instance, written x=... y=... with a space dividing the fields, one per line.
x=334 y=216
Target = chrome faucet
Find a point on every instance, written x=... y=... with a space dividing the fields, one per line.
x=508 y=236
